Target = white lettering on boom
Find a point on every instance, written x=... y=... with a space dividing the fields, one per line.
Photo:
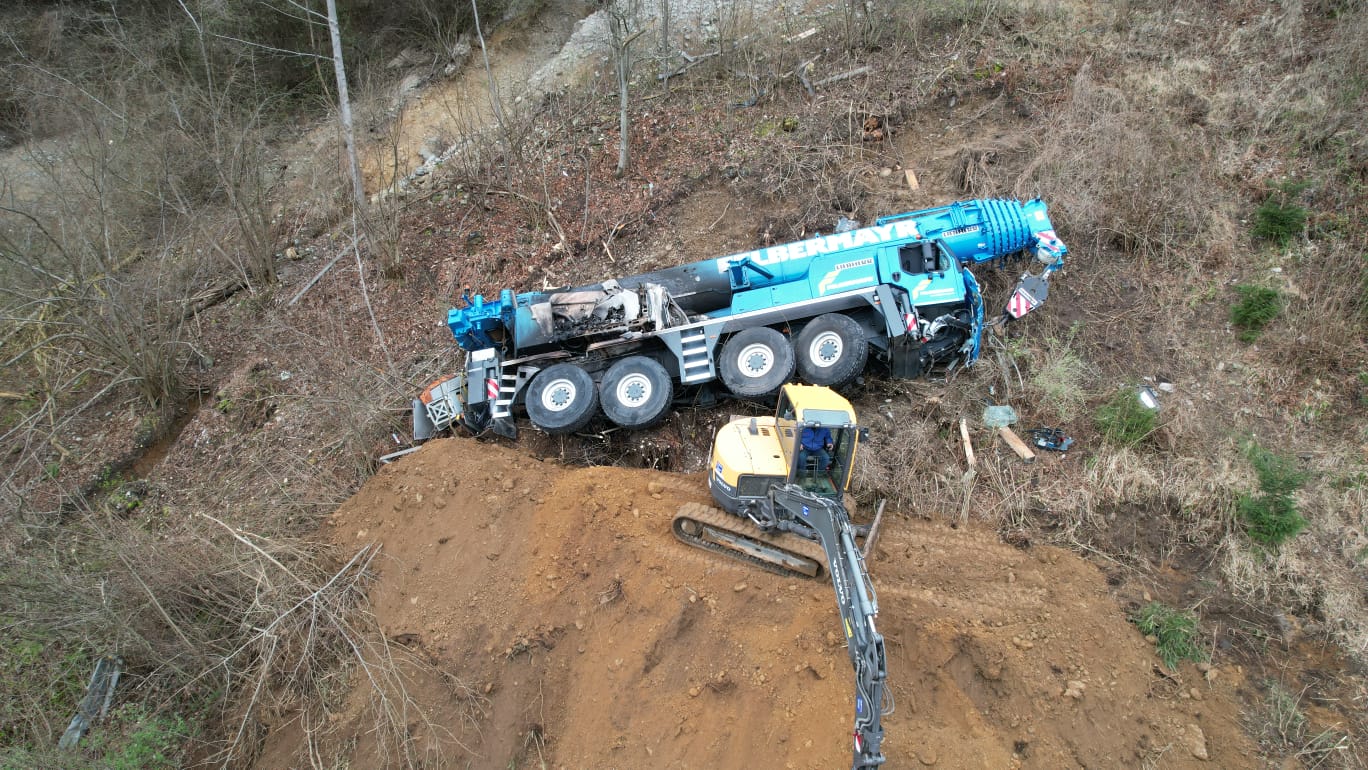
x=825 y=244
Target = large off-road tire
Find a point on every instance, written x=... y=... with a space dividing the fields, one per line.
x=636 y=392
x=832 y=350
x=755 y=362
x=562 y=399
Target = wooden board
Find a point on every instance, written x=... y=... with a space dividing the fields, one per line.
x=1014 y=441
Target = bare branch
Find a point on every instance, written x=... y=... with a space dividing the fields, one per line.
x=273 y=49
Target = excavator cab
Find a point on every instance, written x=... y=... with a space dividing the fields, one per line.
x=818 y=436
x=751 y=455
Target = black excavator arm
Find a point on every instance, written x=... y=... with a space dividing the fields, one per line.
x=858 y=605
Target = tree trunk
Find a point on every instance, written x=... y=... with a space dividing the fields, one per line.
x=623 y=123
x=663 y=44
x=344 y=106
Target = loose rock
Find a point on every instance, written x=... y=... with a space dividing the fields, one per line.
x=1196 y=742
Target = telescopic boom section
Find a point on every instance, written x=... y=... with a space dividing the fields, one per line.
x=858 y=605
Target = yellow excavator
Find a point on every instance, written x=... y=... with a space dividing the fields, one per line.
x=781 y=482
x=753 y=455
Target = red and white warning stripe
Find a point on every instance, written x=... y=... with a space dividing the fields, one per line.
x=1048 y=244
x=492 y=388
x=1021 y=303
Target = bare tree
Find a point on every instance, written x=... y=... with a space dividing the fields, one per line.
x=859 y=23
x=344 y=105
x=663 y=44
x=623 y=31
x=495 y=101
x=224 y=115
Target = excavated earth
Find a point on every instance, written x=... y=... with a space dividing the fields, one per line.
x=571 y=630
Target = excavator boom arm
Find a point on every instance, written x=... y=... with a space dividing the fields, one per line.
x=858 y=606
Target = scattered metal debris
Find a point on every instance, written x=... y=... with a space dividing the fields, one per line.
x=95 y=704
x=1052 y=439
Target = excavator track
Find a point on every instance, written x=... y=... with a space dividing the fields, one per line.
x=715 y=530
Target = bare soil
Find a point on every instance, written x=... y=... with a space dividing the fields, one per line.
x=577 y=632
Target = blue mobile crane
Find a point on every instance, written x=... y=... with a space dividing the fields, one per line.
x=899 y=292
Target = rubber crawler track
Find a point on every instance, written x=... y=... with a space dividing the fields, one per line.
x=735 y=525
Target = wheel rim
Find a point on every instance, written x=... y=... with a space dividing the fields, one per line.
x=755 y=360
x=634 y=390
x=559 y=394
x=826 y=349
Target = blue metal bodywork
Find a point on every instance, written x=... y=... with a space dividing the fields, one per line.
x=908 y=273
x=970 y=232
x=471 y=325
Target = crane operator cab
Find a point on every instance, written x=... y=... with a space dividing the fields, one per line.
x=810 y=441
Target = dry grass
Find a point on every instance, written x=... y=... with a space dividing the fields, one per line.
x=215 y=619
x=1118 y=168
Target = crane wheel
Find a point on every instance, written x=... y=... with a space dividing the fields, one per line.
x=756 y=361
x=832 y=350
x=562 y=398
x=636 y=392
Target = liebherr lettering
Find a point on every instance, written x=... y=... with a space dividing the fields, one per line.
x=826 y=244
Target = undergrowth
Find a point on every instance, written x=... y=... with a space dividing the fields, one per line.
x=1123 y=420
x=1281 y=218
x=1271 y=517
x=1175 y=633
x=1258 y=306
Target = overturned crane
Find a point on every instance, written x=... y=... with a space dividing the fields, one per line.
x=899 y=292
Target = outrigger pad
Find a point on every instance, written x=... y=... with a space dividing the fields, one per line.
x=504 y=427
x=1029 y=294
x=904 y=357
x=423 y=429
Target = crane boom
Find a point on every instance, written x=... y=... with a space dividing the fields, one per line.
x=858 y=605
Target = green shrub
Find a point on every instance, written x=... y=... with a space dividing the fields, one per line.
x=1271 y=517
x=41 y=677
x=1280 y=219
x=152 y=742
x=1123 y=420
x=1258 y=306
x=1174 y=630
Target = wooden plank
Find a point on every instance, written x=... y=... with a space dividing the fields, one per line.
x=968 y=445
x=912 y=182
x=1014 y=441
x=970 y=475
x=874 y=530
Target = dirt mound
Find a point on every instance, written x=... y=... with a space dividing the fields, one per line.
x=575 y=632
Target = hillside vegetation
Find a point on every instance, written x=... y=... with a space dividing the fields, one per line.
x=206 y=349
